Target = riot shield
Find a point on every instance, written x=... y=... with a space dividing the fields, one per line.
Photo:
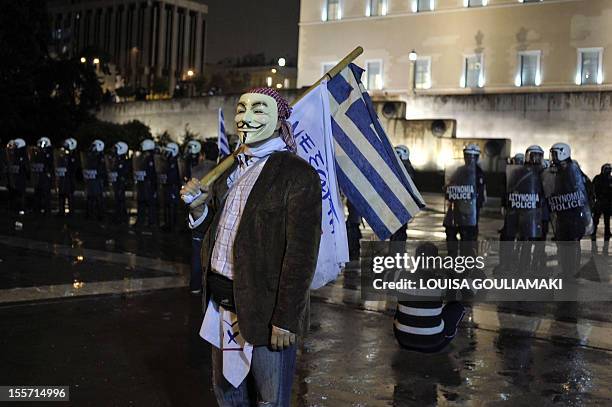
x=37 y=165
x=568 y=201
x=524 y=201
x=89 y=164
x=110 y=163
x=161 y=168
x=139 y=167
x=60 y=160
x=460 y=195
x=12 y=167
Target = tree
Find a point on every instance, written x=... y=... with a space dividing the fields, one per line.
x=40 y=95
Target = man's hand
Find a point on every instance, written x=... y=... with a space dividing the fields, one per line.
x=193 y=188
x=281 y=338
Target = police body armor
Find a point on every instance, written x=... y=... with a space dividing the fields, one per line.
x=524 y=201
x=117 y=167
x=93 y=172
x=568 y=201
x=461 y=194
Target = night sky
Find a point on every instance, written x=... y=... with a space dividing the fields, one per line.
x=240 y=27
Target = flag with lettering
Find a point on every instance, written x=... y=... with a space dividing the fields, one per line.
x=311 y=125
x=369 y=172
x=222 y=142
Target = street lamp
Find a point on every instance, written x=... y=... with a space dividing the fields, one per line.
x=413 y=56
x=190 y=73
x=96 y=61
x=281 y=62
x=83 y=60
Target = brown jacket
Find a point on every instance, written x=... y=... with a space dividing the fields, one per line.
x=276 y=246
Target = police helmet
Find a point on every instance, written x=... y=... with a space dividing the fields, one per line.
x=194 y=147
x=403 y=152
x=43 y=142
x=70 y=144
x=560 y=152
x=147 y=145
x=171 y=149
x=121 y=148
x=97 y=146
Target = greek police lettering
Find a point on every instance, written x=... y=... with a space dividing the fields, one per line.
x=564 y=202
x=523 y=201
x=460 y=192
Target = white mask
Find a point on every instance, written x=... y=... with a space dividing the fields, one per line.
x=256 y=117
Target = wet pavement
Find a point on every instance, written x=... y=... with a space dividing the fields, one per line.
x=104 y=308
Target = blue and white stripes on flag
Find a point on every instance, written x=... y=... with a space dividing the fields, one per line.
x=222 y=142
x=369 y=172
x=311 y=125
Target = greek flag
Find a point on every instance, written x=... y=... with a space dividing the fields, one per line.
x=310 y=122
x=222 y=142
x=369 y=172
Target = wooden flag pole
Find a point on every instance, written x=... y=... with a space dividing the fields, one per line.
x=227 y=162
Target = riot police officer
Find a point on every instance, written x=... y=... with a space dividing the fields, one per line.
x=568 y=201
x=18 y=172
x=602 y=185
x=171 y=185
x=192 y=158
x=145 y=179
x=465 y=194
x=42 y=172
x=118 y=177
x=66 y=170
x=525 y=210
x=94 y=174
x=404 y=155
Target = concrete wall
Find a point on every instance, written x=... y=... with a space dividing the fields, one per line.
x=584 y=120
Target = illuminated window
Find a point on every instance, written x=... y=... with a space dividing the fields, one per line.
x=422 y=73
x=374 y=75
x=423 y=5
x=376 y=7
x=528 y=69
x=473 y=71
x=333 y=11
x=589 y=66
x=475 y=3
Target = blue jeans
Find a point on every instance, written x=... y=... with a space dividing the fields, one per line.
x=271 y=377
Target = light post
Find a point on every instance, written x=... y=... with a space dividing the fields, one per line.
x=413 y=56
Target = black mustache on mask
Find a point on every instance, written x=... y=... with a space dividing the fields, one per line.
x=245 y=125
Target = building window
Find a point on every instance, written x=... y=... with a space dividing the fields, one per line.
x=376 y=8
x=423 y=5
x=326 y=66
x=473 y=71
x=374 y=75
x=332 y=10
x=422 y=73
x=528 y=69
x=475 y=3
x=590 y=70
